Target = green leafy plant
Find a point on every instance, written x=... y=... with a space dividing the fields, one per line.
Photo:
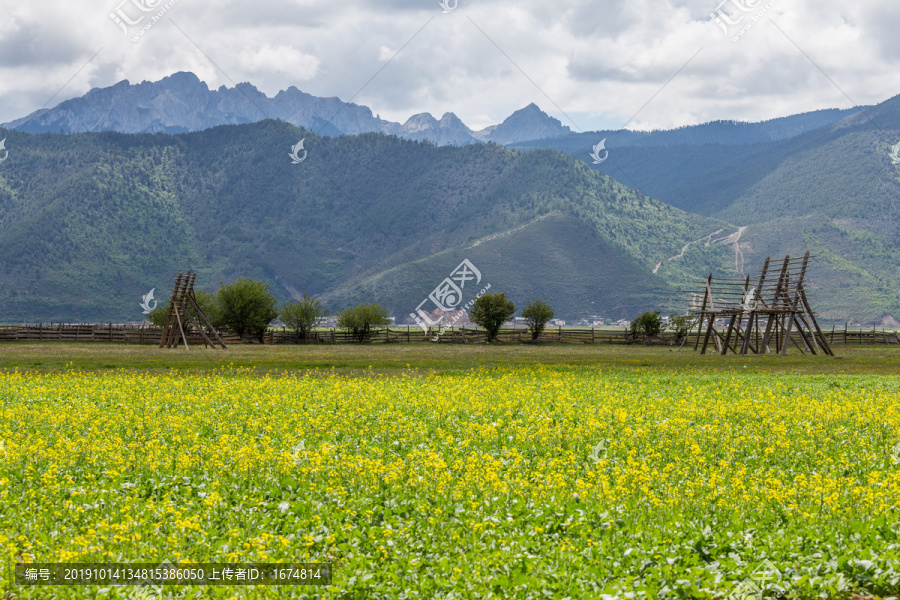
x=491 y=311
x=246 y=306
x=646 y=327
x=360 y=320
x=302 y=315
x=680 y=325
x=537 y=313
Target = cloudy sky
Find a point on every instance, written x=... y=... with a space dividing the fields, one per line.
x=593 y=64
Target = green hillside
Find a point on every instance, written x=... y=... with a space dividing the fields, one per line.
x=832 y=190
x=90 y=222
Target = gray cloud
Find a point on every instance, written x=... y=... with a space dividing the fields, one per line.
x=598 y=61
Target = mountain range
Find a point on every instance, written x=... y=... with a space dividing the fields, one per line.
x=182 y=103
x=828 y=182
x=89 y=222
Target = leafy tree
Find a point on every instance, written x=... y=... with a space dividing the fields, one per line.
x=302 y=315
x=680 y=324
x=360 y=320
x=537 y=313
x=246 y=305
x=158 y=315
x=646 y=326
x=490 y=311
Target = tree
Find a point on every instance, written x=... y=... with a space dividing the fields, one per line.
x=302 y=315
x=209 y=305
x=360 y=319
x=680 y=324
x=158 y=316
x=491 y=311
x=646 y=326
x=537 y=313
x=246 y=306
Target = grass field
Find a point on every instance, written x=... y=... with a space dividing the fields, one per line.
x=425 y=471
x=395 y=358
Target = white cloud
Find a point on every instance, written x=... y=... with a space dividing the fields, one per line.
x=600 y=62
x=282 y=60
x=385 y=54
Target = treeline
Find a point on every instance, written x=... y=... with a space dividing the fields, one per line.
x=247 y=307
x=90 y=221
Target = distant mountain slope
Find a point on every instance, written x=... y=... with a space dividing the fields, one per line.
x=90 y=222
x=701 y=168
x=558 y=257
x=529 y=123
x=729 y=133
x=841 y=171
x=182 y=103
x=830 y=187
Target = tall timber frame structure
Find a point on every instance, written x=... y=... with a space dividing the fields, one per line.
x=764 y=318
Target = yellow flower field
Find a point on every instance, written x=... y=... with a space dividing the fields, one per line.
x=545 y=482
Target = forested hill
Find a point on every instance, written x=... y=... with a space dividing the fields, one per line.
x=90 y=222
x=833 y=189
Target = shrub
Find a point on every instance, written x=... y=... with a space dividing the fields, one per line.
x=537 y=313
x=302 y=315
x=359 y=320
x=680 y=324
x=491 y=311
x=246 y=306
x=646 y=326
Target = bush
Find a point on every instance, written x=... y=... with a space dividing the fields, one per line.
x=359 y=320
x=537 y=313
x=158 y=316
x=246 y=306
x=491 y=311
x=302 y=315
x=680 y=324
x=646 y=326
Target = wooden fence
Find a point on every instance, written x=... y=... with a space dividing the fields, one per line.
x=147 y=334
x=93 y=332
